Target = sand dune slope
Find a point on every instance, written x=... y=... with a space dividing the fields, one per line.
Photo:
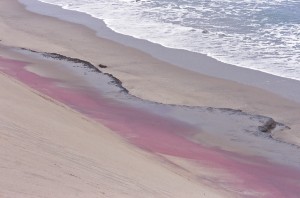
x=47 y=150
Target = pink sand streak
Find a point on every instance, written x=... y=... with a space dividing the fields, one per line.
x=166 y=136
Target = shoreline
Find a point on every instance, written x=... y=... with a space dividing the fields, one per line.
x=177 y=139
x=139 y=71
x=169 y=84
x=140 y=74
x=187 y=60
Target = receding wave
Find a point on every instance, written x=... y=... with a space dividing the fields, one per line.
x=257 y=34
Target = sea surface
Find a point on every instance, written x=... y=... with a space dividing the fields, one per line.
x=262 y=35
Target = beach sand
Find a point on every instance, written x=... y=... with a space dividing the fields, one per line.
x=47 y=146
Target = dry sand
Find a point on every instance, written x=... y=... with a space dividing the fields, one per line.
x=46 y=146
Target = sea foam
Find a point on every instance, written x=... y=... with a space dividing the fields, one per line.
x=256 y=34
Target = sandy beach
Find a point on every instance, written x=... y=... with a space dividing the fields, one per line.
x=136 y=69
x=137 y=134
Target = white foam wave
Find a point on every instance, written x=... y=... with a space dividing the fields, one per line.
x=242 y=32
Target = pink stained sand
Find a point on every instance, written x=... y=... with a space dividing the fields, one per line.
x=166 y=136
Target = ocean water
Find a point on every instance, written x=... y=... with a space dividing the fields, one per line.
x=262 y=35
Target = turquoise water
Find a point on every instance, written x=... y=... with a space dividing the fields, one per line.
x=261 y=35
